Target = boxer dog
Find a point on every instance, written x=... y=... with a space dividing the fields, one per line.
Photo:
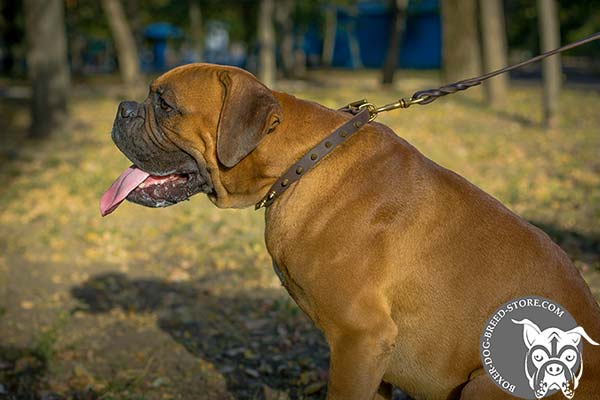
x=553 y=360
x=398 y=260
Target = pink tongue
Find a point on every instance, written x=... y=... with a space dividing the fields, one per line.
x=118 y=191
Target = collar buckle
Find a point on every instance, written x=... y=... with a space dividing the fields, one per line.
x=266 y=201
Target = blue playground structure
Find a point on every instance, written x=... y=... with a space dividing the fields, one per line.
x=158 y=34
x=366 y=27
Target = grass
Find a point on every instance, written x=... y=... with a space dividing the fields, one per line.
x=176 y=275
x=44 y=343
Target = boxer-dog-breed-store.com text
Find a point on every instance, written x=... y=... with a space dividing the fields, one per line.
x=397 y=260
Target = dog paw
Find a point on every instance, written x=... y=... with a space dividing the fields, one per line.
x=567 y=389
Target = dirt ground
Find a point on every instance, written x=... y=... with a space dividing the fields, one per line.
x=182 y=302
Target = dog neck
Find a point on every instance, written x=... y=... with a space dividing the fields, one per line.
x=303 y=125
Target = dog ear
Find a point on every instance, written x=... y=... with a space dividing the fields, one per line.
x=577 y=333
x=530 y=331
x=248 y=113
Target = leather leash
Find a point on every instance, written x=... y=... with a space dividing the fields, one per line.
x=423 y=97
x=365 y=112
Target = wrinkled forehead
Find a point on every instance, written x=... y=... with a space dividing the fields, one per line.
x=184 y=82
x=195 y=74
x=200 y=84
x=554 y=337
x=177 y=75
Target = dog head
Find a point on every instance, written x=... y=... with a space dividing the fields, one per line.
x=198 y=119
x=553 y=360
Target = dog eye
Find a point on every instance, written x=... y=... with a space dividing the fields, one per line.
x=538 y=355
x=164 y=105
x=569 y=355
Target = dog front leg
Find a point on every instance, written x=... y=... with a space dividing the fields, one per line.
x=358 y=362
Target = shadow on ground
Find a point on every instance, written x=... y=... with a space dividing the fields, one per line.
x=14 y=131
x=499 y=112
x=577 y=245
x=254 y=338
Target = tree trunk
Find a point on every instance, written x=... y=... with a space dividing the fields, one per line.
x=266 y=37
x=124 y=42
x=299 y=59
x=285 y=24
x=329 y=35
x=47 y=64
x=460 y=44
x=551 y=67
x=135 y=22
x=395 y=36
x=494 y=49
x=351 y=34
x=196 y=30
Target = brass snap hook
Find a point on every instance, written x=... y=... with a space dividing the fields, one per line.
x=372 y=109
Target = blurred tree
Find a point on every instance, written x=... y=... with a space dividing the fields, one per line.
x=395 y=36
x=329 y=35
x=551 y=69
x=196 y=30
x=285 y=22
x=127 y=54
x=460 y=44
x=493 y=33
x=75 y=40
x=309 y=16
x=266 y=38
x=135 y=21
x=47 y=65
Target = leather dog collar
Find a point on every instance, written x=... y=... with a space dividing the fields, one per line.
x=316 y=154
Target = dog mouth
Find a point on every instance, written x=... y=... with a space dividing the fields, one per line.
x=140 y=187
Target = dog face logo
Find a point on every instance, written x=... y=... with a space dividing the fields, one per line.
x=531 y=348
x=553 y=360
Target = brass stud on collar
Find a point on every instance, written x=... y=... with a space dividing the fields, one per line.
x=313 y=156
x=328 y=144
x=299 y=170
x=357 y=124
x=343 y=134
x=285 y=182
x=272 y=195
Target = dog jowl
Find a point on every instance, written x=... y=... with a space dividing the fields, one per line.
x=554 y=360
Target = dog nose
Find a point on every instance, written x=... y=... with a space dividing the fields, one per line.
x=554 y=369
x=128 y=109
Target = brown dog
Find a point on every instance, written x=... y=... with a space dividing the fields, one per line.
x=397 y=260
